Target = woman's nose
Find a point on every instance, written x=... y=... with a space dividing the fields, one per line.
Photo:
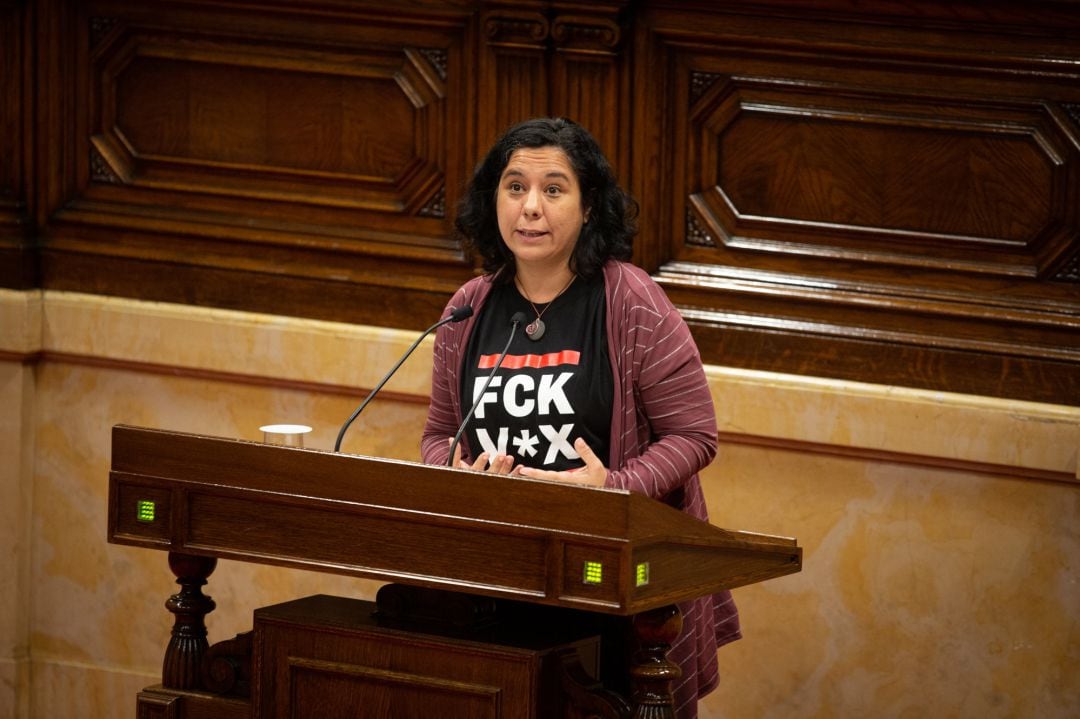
x=532 y=204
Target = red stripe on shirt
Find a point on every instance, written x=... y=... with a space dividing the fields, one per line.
x=551 y=359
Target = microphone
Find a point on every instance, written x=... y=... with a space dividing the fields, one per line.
x=517 y=319
x=456 y=316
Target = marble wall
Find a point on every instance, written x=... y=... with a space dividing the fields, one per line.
x=941 y=532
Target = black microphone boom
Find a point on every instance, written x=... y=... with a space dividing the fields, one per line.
x=517 y=319
x=456 y=316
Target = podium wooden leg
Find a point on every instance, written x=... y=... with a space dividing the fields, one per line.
x=183 y=656
x=651 y=673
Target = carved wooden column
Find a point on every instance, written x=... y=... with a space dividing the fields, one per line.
x=183 y=656
x=543 y=59
x=589 y=77
x=513 y=72
x=651 y=673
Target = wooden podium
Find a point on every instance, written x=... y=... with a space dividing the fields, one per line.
x=476 y=560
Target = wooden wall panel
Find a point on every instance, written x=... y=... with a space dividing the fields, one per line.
x=893 y=204
x=280 y=143
x=17 y=258
x=869 y=190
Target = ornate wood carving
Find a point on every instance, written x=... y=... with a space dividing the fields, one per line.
x=100 y=171
x=438 y=59
x=516 y=28
x=584 y=34
x=436 y=206
x=1070 y=272
x=700 y=82
x=226 y=667
x=695 y=233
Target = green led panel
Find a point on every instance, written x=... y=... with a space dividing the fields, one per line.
x=642 y=574
x=145 y=510
x=594 y=572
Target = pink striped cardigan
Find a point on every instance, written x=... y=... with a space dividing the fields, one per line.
x=663 y=432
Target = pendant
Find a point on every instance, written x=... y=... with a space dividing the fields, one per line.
x=535 y=329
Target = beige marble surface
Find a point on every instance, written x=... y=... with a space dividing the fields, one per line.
x=16 y=482
x=925 y=591
x=897 y=419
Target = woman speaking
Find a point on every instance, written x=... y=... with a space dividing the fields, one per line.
x=604 y=386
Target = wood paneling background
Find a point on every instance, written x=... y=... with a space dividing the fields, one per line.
x=882 y=191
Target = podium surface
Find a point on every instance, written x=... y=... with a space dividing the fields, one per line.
x=549 y=543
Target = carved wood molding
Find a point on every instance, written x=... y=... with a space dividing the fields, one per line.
x=516 y=28
x=582 y=33
x=695 y=233
x=568 y=32
x=101 y=170
x=438 y=59
x=436 y=206
x=226 y=666
x=1070 y=272
x=700 y=82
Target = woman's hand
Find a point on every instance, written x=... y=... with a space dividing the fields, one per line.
x=501 y=464
x=594 y=473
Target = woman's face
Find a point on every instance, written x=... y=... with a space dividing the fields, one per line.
x=539 y=207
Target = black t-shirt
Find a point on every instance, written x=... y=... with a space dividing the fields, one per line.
x=547 y=392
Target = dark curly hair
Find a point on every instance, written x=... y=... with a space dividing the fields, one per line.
x=608 y=234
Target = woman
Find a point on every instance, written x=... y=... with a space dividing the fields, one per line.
x=605 y=385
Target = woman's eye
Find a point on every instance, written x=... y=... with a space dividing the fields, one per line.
x=554 y=190
x=515 y=187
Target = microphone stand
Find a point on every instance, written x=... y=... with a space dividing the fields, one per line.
x=517 y=319
x=456 y=316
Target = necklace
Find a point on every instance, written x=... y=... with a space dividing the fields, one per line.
x=535 y=329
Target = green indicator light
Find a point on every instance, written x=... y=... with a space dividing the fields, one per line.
x=642 y=574
x=145 y=511
x=594 y=572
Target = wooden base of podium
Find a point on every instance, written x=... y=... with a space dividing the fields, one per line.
x=331 y=658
